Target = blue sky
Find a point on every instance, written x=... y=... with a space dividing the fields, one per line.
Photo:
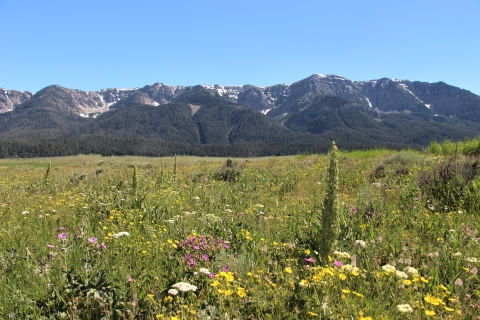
x=90 y=45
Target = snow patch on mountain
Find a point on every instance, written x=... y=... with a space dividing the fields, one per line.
x=404 y=86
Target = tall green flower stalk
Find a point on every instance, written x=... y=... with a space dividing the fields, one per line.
x=330 y=211
x=47 y=173
x=135 y=179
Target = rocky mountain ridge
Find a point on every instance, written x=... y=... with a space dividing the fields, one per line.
x=379 y=96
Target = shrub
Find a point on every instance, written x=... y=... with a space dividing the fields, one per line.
x=450 y=183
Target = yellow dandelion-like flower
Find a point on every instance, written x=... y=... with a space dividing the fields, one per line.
x=365 y=318
x=312 y=314
x=430 y=313
x=342 y=276
x=307 y=251
x=407 y=282
x=303 y=283
x=150 y=296
x=228 y=292
x=449 y=309
x=288 y=270
x=433 y=300
x=214 y=283
x=346 y=291
x=358 y=294
x=241 y=292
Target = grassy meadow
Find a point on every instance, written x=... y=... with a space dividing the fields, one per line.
x=93 y=237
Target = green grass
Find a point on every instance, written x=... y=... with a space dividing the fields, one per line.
x=253 y=235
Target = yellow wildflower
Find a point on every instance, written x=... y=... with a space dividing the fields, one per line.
x=288 y=270
x=241 y=292
x=312 y=314
x=430 y=312
x=407 y=282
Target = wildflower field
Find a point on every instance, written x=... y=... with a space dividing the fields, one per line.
x=396 y=235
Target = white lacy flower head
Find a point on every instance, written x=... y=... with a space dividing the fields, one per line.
x=389 y=268
x=401 y=274
x=204 y=270
x=360 y=243
x=457 y=254
x=123 y=233
x=341 y=255
x=173 y=292
x=410 y=270
x=404 y=308
x=471 y=259
x=183 y=286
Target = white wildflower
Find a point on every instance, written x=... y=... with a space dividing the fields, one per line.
x=471 y=260
x=341 y=255
x=120 y=234
x=404 y=308
x=410 y=270
x=173 y=292
x=205 y=271
x=360 y=244
x=183 y=286
x=389 y=268
x=401 y=274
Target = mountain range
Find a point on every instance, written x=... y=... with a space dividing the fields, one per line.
x=244 y=120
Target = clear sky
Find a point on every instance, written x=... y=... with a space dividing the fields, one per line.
x=96 y=44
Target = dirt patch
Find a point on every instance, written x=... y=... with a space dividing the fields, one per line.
x=194 y=108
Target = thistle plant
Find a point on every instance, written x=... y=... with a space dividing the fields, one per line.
x=329 y=220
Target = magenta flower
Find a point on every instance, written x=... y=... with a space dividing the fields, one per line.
x=309 y=260
x=51 y=246
x=103 y=246
x=92 y=240
x=225 y=268
x=62 y=229
x=62 y=236
x=338 y=263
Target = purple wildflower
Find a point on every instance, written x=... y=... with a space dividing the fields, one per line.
x=62 y=229
x=103 y=246
x=196 y=247
x=212 y=275
x=51 y=246
x=309 y=260
x=338 y=263
x=205 y=257
x=225 y=268
x=92 y=240
x=191 y=262
x=62 y=236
